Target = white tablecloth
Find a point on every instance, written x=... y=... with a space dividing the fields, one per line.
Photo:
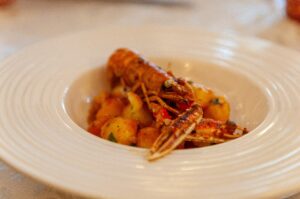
x=28 y=21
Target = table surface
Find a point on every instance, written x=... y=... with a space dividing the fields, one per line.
x=28 y=21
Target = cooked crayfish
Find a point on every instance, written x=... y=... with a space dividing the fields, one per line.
x=173 y=103
x=164 y=94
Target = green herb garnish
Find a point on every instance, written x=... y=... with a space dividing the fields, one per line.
x=215 y=101
x=190 y=82
x=112 y=138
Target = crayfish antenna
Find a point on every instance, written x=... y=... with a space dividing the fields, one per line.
x=175 y=133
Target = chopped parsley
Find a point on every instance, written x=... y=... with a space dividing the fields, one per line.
x=112 y=138
x=190 y=82
x=215 y=101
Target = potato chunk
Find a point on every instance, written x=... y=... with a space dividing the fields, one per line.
x=147 y=136
x=135 y=110
x=120 y=130
x=119 y=90
x=96 y=105
x=203 y=95
x=110 y=108
x=218 y=109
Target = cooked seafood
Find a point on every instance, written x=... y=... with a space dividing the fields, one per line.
x=149 y=107
x=134 y=72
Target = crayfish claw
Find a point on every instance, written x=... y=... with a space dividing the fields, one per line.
x=175 y=133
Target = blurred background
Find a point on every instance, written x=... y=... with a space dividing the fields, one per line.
x=23 y=22
x=26 y=21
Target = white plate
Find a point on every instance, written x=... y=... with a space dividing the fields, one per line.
x=44 y=91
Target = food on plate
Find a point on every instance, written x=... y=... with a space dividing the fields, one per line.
x=121 y=130
x=151 y=108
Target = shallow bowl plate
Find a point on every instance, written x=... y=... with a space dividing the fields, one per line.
x=46 y=88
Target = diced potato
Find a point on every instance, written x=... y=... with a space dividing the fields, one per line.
x=203 y=95
x=218 y=109
x=143 y=116
x=135 y=110
x=120 y=130
x=135 y=101
x=103 y=95
x=119 y=90
x=147 y=136
x=93 y=112
x=96 y=105
x=111 y=107
x=95 y=127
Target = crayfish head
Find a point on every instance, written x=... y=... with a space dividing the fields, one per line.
x=181 y=87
